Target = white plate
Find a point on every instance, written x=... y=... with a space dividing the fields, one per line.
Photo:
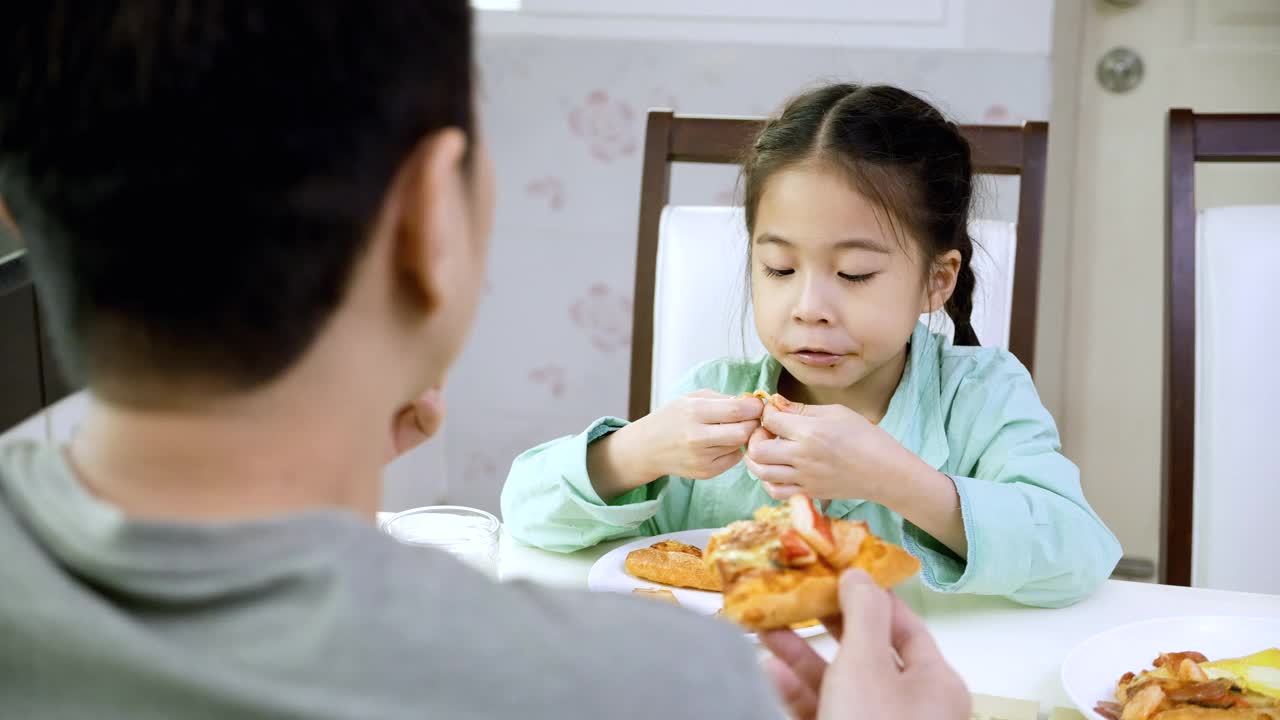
x=609 y=574
x=1090 y=672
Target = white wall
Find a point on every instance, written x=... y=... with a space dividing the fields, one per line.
x=564 y=118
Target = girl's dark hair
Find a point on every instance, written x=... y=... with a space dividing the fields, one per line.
x=899 y=151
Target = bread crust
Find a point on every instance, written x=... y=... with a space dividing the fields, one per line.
x=672 y=563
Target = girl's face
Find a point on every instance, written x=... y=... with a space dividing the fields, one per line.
x=836 y=294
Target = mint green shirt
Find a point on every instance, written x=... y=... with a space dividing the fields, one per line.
x=973 y=413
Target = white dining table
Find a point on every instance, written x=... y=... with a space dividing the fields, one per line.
x=999 y=647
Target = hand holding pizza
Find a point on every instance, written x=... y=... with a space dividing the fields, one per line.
x=865 y=680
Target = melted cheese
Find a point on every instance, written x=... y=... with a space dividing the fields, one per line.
x=748 y=556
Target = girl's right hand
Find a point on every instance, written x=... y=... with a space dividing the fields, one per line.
x=700 y=435
x=697 y=436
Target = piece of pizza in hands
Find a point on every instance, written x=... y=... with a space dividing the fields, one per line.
x=775 y=400
x=784 y=566
x=765 y=397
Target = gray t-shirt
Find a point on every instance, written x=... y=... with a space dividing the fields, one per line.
x=318 y=615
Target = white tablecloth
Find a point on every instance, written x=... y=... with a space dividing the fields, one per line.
x=1000 y=648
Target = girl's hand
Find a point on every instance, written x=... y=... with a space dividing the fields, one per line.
x=827 y=451
x=697 y=436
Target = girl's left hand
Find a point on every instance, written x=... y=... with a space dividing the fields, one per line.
x=827 y=451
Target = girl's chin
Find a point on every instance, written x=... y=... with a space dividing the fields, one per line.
x=836 y=377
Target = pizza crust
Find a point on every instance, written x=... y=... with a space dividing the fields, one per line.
x=769 y=600
x=886 y=563
x=659 y=594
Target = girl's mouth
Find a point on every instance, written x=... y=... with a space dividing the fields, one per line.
x=817 y=358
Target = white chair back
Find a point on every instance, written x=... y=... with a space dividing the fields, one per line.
x=701 y=310
x=1237 y=408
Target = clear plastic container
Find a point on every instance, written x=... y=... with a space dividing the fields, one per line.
x=469 y=534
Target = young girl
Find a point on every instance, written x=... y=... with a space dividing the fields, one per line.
x=857 y=204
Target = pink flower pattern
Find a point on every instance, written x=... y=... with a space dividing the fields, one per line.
x=606 y=125
x=605 y=316
x=997 y=113
x=552 y=376
x=481 y=470
x=550 y=187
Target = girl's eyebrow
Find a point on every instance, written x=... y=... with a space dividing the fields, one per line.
x=857 y=243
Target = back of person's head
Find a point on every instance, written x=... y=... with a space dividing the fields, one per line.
x=898 y=151
x=197 y=179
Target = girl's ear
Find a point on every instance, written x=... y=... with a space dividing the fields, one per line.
x=941 y=281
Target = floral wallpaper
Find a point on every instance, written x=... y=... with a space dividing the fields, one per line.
x=564 y=120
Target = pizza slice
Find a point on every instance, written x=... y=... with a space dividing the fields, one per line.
x=764 y=397
x=783 y=567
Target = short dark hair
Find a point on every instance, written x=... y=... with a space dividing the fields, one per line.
x=196 y=179
x=899 y=151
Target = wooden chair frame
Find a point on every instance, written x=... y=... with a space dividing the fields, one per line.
x=1193 y=137
x=29 y=376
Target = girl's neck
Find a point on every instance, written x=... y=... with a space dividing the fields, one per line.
x=869 y=397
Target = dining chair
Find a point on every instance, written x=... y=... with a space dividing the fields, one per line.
x=21 y=391
x=30 y=381
x=1221 y=488
x=690 y=271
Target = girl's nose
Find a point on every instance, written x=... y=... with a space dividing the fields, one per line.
x=813 y=306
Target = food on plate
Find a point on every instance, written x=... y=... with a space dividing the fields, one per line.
x=1186 y=686
x=661 y=594
x=672 y=563
x=1258 y=673
x=783 y=567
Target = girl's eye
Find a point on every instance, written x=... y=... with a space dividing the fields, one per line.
x=857 y=278
x=775 y=272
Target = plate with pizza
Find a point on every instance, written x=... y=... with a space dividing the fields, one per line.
x=1179 y=668
x=779 y=569
x=609 y=573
